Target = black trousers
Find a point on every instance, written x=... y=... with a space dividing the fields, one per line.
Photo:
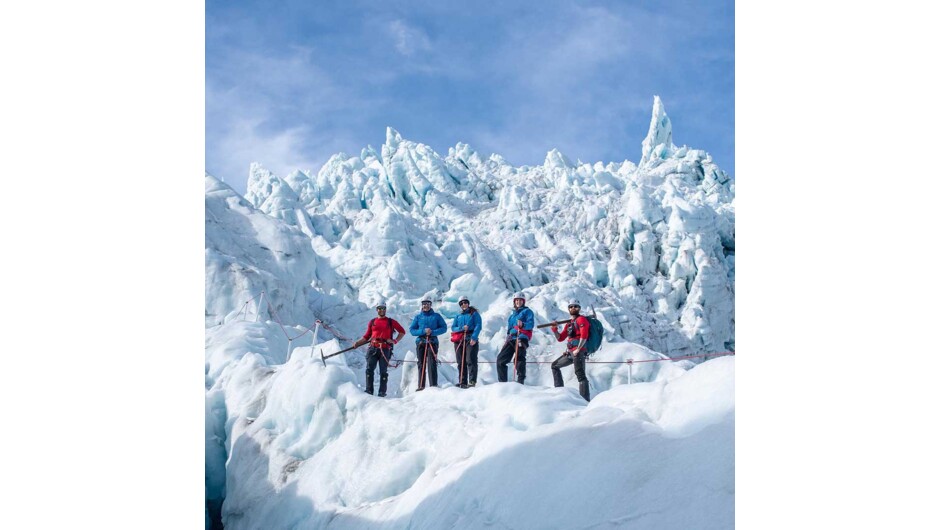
x=505 y=357
x=466 y=361
x=378 y=356
x=427 y=359
x=567 y=359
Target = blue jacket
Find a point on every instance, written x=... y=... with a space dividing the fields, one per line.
x=428 y=319
x=528 y=322
x=471 y=320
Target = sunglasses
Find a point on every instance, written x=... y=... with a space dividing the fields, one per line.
x=569 y=307
x=464 y=303
x=380 y=309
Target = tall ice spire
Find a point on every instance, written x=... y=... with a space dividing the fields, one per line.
x=660 y=134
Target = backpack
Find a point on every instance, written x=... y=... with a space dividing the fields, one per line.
x=595 y=334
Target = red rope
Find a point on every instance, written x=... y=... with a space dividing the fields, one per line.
x=245 y=306
x=463 y=359
x=273 y=312
x=309 y=329
x=336 y=334
x=629 y=361
x=425 y=367
x=387 y=361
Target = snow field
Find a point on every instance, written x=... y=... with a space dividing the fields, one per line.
x=311 y=448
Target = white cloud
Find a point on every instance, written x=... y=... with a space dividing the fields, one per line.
x=408 y=39
x=243 y=143
x=271 y=109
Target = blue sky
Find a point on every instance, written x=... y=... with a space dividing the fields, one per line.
x=290 y=83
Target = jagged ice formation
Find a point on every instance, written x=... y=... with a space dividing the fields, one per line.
x=650 y=246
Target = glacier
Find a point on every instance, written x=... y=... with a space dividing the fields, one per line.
x=648 y=246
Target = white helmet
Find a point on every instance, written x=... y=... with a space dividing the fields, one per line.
x=380 y=305
x=519 y=295
x=463 y=299
x=574 y=302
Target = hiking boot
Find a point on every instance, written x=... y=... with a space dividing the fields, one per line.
x=419 y=390
x=463 y=385
x=472 y=384
x=382 y=394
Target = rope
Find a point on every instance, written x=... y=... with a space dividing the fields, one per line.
x=463 y=361
x=276 y=317
x=387 y=361
x=628 y=361
x=245 y=306
x=281 y=324
x=421 y=379
x=631 y=361
x=309 y=329
x=339 y=336
x=335 y=333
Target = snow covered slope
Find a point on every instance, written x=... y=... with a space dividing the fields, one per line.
x=301 y=446
x=649 y=246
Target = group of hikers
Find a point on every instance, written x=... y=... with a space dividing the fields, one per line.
x=465 y=335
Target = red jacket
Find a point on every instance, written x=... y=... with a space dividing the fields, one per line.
x=581 y=330
x=381 y=328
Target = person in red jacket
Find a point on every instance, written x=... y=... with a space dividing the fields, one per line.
x=576 y=333
x=379 y=335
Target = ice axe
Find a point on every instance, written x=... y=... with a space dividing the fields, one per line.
x=323 y=358
x=550 y=324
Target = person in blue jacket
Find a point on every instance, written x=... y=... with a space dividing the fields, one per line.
x=465 y=334
x=426 y=326
x=519 y=330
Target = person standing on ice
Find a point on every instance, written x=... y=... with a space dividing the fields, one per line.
x=426 y=326
x=576 y=333
x=465 y=334
x=379 y=335
x=519 y=331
